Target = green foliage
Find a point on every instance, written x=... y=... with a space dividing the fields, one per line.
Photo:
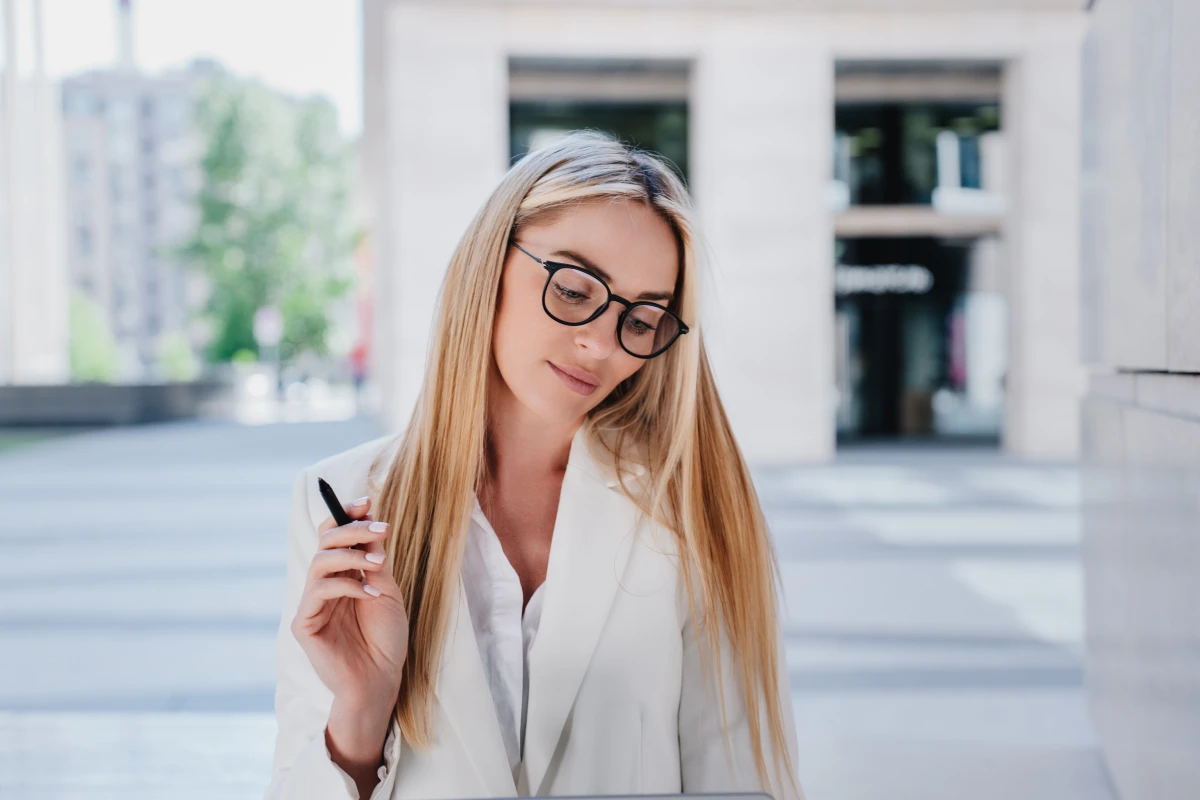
x=175 y=357
x=274 y=223
x=244 y=356
x=93 y=348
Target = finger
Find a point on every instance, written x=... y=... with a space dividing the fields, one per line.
x=322 y=591
x=328 y=563
x=354 y=509
x=383 y=578
x=358 y=532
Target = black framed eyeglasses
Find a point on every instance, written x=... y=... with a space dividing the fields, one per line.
x=574 y=296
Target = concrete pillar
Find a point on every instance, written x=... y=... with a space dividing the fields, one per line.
x=761 y=127
x=448 y=68
x=1141 y=417
x=34 y=290
x=1041 y=117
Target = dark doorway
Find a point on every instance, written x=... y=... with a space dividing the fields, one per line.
x=902 y=311
x=659 y=126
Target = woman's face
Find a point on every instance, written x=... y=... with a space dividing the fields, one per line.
x=635 y=249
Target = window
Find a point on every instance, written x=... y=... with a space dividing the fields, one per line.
x=890 y=152
x=81 y=171
x=83 y=239
x=661 y=126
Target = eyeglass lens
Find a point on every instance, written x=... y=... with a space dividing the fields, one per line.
x=573 y=295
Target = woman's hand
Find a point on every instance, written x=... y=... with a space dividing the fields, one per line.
x=357 y=642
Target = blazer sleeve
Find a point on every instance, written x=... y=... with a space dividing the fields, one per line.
x=706 y=765
x=303 y=767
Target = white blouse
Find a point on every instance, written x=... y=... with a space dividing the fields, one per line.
x=503 y=634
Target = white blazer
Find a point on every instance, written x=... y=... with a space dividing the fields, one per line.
x=617 y=700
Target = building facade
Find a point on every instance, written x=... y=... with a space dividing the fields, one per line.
x=1141 y=415
x=132 y=157
x=34 y=324
x=889 y=191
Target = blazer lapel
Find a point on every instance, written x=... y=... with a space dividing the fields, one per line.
x=592 y=540
x=463 y=694
x=461 y=687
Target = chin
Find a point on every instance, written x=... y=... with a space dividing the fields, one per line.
x=556 y=404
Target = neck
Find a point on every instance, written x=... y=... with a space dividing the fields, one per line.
x=522 y=446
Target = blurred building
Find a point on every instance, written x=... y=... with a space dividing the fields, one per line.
x=1141 y=417
x=34 y=331
x=889 y=188
x=132 y=158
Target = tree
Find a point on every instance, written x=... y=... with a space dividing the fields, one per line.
x=175 y=357
x=93 y=348
x=274 y=215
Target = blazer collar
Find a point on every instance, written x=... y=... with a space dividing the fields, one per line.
x=589 y=549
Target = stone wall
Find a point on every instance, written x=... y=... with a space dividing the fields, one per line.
x=1141 y=416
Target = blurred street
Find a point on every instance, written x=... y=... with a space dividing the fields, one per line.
x=934 y=623
x=935 y=600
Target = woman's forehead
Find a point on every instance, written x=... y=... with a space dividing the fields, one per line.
x=623 y=240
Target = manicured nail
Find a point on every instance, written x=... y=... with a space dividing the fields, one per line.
x=377 y=527
x=362 y=501
x=376 y=558
x=371 y=590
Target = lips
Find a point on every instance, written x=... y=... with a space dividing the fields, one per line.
x=578 y=374
x=579 y=381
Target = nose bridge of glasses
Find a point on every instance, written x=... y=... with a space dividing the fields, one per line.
x=616 y=298
x=613 y=302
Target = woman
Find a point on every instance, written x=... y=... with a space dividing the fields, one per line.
x=576 y=587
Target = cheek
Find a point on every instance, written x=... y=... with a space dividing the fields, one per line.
x=626 y=367
x=507 y=338
x=519 y=336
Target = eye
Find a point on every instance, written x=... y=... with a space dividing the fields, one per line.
x=636 y=326
x=569 y=295
x=575 y=287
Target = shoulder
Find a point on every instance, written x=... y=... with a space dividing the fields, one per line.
x=353 y=472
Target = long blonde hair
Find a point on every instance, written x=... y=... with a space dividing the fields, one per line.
x=699 y=486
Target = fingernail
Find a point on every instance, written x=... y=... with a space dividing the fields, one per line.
x=376 y=558
x=377 y=527
x=371 y=590
x=362 y=501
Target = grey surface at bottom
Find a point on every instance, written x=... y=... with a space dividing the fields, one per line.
x=55 y=756
x=933 y=617
x=871 y=769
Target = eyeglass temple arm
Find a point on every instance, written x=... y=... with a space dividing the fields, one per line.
x=526 y=252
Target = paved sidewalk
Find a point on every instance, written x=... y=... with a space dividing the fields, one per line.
x=933 y=632
x=141 y=577
x=935 y=626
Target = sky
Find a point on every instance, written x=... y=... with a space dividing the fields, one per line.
x=299 y=47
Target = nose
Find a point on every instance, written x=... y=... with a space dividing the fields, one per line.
x=599 y=337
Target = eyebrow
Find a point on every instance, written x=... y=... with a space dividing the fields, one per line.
x=585 y=261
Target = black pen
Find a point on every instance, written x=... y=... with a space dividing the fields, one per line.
x=335 y=508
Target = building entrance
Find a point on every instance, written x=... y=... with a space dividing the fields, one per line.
x=920 y=340
x=657 y=125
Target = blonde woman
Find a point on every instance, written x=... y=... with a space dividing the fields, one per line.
x=564 y=583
